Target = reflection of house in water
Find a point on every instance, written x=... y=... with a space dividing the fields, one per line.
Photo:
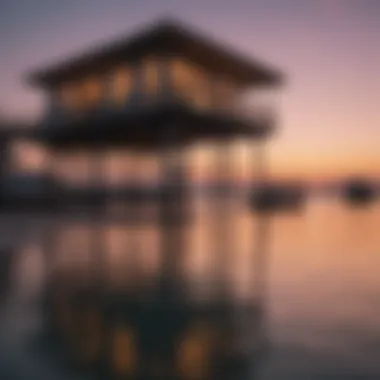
x=126 y=293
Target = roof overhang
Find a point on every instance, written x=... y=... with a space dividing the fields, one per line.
x=165 y=37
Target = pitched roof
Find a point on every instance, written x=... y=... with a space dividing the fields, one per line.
x=165 y=36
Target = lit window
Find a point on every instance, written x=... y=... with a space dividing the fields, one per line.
x=182 y=79
x=74 y=169
x=91 y=92
x=225 y=94
x=118 y=166
x=82 y=95
x=150 y=75
x=28 y=157
x=191 y=84
x=121 y=85
x=71 y=97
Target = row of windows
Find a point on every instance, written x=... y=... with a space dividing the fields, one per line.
x=189 y=82
x=117 y=87
x=118 y=167
x=201 y=90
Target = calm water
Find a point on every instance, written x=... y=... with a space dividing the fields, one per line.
x=323 y=295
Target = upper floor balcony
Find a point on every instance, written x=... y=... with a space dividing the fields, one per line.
x=167 y=74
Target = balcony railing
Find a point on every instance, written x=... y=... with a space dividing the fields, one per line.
x=261 y=117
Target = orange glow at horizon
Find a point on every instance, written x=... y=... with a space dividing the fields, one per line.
x=304 y=166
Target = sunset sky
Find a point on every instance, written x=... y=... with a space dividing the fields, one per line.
x=329 y=110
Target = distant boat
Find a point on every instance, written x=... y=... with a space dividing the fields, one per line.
x=359 y=192
x=278 y=198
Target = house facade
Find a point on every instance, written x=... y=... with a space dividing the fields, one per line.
x=133 y=293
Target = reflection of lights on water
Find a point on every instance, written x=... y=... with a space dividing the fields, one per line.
x=124 y=355
x=345 y=278
x=138 y=247
x=194 y=352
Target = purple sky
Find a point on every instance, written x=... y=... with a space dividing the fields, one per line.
x=329 y=49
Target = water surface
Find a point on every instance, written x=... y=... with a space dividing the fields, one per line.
x=323 y=294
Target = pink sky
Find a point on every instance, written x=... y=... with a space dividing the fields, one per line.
x=329 y=115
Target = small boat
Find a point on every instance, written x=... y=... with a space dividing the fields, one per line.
x=277 y=198
x=359 y=192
